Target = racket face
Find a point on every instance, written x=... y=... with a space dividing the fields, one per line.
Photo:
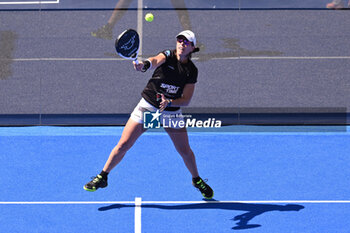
x=127 y=44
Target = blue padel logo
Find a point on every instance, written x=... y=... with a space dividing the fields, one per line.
x=129 y=44
x=151 y=120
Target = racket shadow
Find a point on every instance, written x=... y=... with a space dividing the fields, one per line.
x=252 y=210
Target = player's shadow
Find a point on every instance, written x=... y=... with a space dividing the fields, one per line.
x=252 y=210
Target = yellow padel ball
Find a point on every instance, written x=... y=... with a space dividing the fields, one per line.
x=149 y=17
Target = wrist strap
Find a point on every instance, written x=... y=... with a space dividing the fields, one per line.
x=147 y=64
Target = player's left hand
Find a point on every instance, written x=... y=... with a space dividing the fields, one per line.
x=163 y=103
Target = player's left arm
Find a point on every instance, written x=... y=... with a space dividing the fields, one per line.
x=184 y=100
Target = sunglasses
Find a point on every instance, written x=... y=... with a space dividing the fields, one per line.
x=185 y=41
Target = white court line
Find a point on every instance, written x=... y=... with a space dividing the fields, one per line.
x=63 y=202
x=297 y=58
x=252 y=202
x=34 y=2
x=137 y=221
x=277 y=58
x=68 y=59
x=138 y=202
x=140 y=24
x=195 y=58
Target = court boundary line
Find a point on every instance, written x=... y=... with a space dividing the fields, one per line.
x=140 y=25
x=194 y=58
x=138 y=202
x=188 y=9
x=137 y=220
x=30 y=3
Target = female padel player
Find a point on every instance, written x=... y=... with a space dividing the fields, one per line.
x=171 y=86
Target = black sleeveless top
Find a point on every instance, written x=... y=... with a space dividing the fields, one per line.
x=169 y=79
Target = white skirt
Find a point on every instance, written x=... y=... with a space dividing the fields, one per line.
x=168 y=119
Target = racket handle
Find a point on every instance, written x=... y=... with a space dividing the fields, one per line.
x=136 y=61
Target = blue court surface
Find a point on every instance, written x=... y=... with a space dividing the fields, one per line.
x=269 y=181
x=288 y=56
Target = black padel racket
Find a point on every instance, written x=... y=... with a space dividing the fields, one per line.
x=127 y=45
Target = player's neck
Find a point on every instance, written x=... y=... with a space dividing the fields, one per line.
x=182 y=58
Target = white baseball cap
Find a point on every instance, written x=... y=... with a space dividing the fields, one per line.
x=189 y=35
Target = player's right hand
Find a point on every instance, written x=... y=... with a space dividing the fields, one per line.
x=138 y=67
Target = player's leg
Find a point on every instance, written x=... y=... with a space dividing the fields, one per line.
x=182 y=14
x=131 y=133
x=180 y=139
x=106 y=31
x=119 y=11
x=335 y=4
